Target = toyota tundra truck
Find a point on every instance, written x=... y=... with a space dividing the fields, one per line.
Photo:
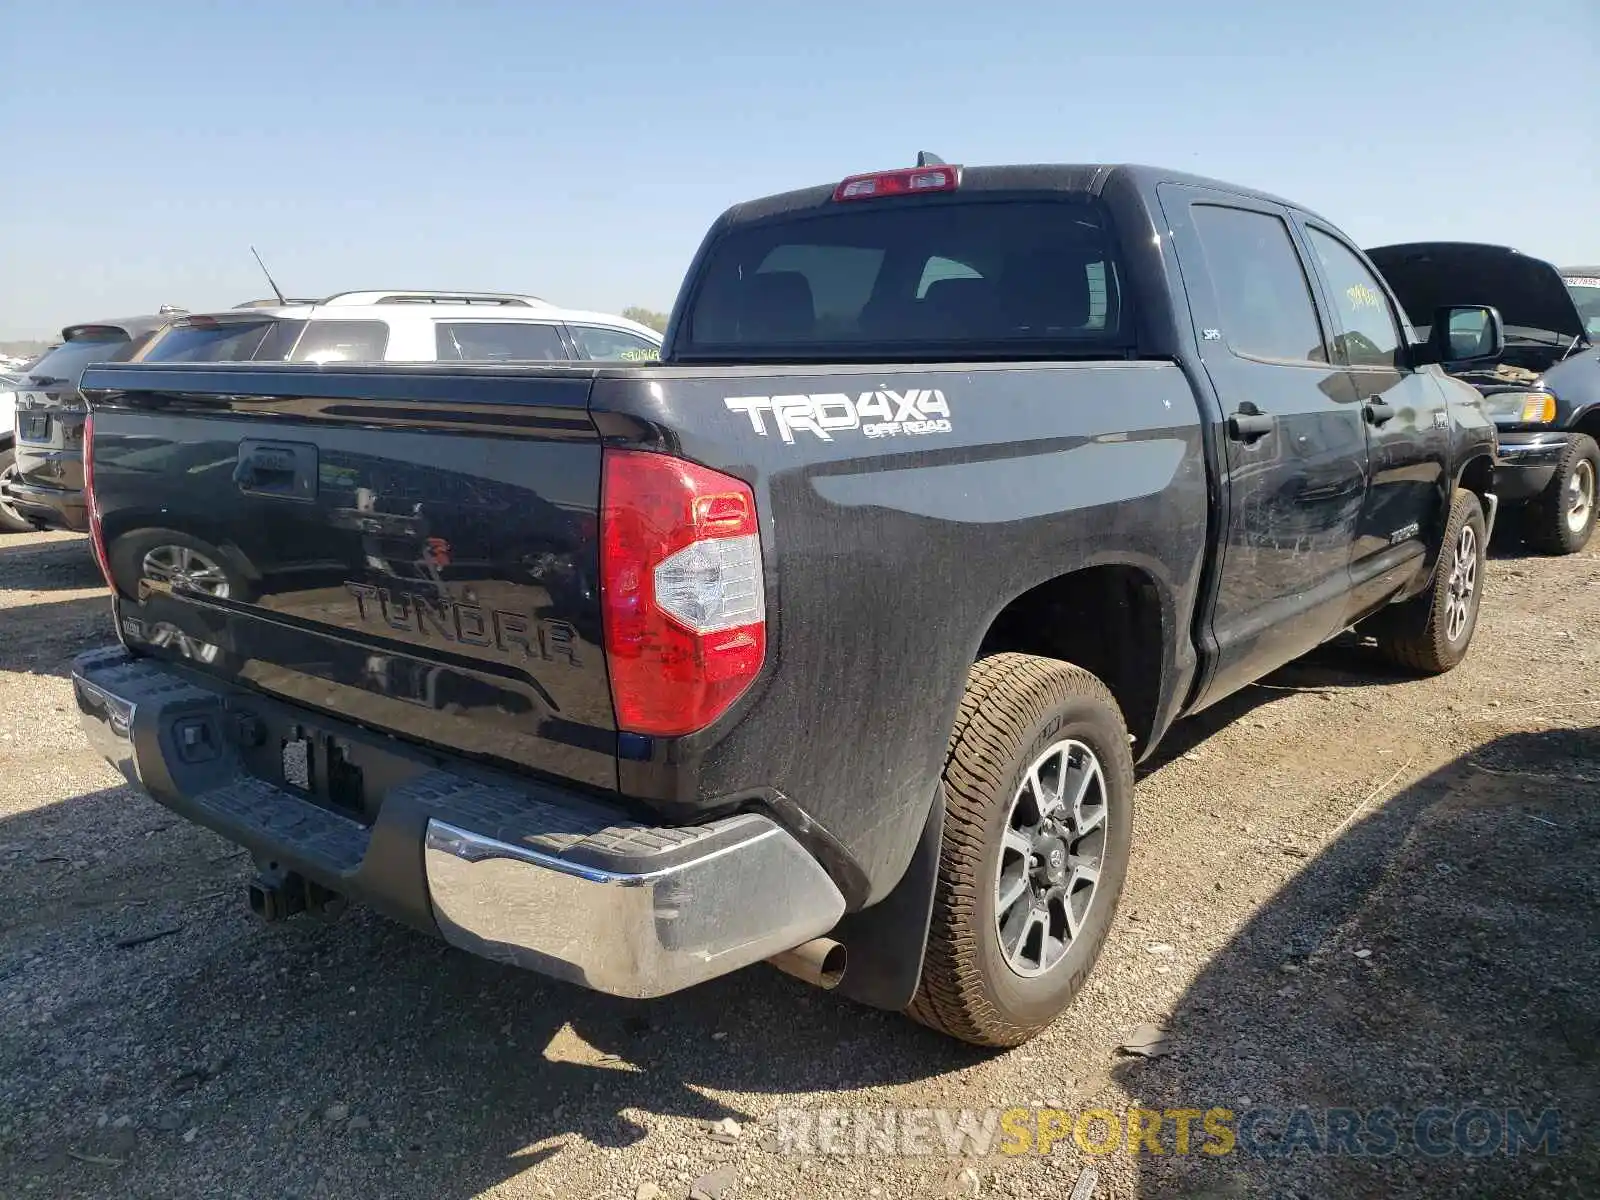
x=832 y=639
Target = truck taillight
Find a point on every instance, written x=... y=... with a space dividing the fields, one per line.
x=681 y=590
x=97 y=537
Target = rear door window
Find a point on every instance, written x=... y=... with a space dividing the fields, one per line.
x=1261 y=287
x=1368 y=334
x=498 y=341
x=971 y=278
x=342 y=341
x=613 y=345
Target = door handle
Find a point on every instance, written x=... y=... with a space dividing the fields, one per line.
x=1378 y=413
x=1248 y=427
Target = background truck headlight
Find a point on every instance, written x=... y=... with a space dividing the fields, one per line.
x=1521 y=408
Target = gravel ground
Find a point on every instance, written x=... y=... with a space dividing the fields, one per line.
x=1349 y=889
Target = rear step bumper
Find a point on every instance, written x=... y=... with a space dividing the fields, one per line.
x=509 y=869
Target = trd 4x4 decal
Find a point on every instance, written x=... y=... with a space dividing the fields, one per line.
x=876 y=414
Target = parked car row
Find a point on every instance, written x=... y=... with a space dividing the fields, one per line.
x=41 y=449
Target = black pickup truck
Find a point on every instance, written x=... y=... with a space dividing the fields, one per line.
x=833 y=639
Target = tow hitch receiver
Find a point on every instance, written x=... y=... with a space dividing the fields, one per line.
x=277 y=895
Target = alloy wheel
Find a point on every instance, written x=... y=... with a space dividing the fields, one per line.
x=1463 y=583
x=1053 y=850
x=1580 y=496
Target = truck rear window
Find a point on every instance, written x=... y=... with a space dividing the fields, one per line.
x=973 y=278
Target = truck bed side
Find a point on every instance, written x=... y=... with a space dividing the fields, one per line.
x=891 y=559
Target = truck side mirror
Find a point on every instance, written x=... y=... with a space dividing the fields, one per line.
x=1465 y=333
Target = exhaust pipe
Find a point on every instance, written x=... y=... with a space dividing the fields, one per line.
x=820 y=962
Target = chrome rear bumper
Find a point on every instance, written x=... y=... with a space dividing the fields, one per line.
x=641 y=931
x=558 y=882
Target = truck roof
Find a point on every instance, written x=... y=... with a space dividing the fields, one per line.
x=1090 y=178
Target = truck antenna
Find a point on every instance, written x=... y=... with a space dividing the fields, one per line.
x=927 y=158
x=275 y=289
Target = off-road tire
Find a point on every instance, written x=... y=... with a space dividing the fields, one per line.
x=1416 y=634
x=1548 y=528
x=1015 y=707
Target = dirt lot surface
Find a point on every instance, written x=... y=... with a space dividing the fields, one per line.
x=1350 y=890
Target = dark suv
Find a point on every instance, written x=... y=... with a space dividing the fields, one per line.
x=43 y=486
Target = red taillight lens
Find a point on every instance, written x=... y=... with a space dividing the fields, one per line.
x=912 y=181
x=681 y=589
x=97 y=537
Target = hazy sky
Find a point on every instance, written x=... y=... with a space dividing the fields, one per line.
x=578 y=151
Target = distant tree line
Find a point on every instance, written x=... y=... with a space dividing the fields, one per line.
x=646 y=316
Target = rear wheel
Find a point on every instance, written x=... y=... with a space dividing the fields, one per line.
x=1431 y=633
x=1562 y=519
x=1038 y=823
x=11 y=521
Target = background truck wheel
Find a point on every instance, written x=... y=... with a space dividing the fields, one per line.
x=1561 y=520
x=1038 y=786
x=11 y=521
x=1431 y=633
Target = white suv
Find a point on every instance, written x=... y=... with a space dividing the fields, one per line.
x=404 y=326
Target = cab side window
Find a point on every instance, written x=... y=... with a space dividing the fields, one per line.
x=1263 y=295
x=1367 y=329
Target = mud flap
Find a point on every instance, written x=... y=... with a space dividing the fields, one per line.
x=886 y=942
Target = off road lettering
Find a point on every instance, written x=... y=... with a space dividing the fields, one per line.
x=876 y=414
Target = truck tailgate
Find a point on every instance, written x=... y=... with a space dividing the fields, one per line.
x=343 y=539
